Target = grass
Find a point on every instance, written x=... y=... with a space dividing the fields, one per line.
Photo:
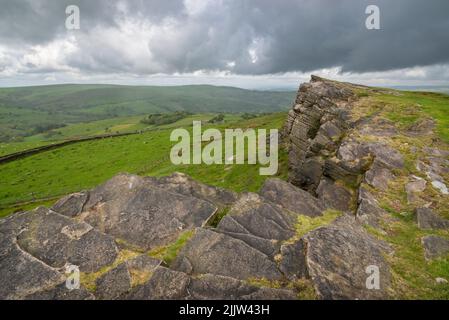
x=408 y=107
x=305 y=224
x=22 y=110
x=218 y=217
x=88 y=280
x=168 y=253
x=84 y=165
x=412 y=276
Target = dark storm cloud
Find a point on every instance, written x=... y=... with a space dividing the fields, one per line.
x=243 y=37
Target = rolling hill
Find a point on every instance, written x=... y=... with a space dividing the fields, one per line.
x=28 y=111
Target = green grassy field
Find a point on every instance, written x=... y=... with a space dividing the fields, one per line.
x=27 y=111
x=87 y=164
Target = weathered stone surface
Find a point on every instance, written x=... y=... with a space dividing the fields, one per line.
x=143 y=263
x=212 y=252
x=378 y=176
x=72 y=204
x=293 y=264
x=165 y=284
x=267 y=246
x=291 y=198
x=21 y=273
x=334 y=196
x=60 y=292
x=58 y=240
x=414 y=187
x=314 y=127
x=252 y=215
x=113 y=283
x=308 y=175
x=441 y=187
x=386 y=155
x=436 y=152
x=368 y=210
x=427 y=219
x=421 y=127
x=215 y=287
x=185 y=185
x=133 y=209
x=380 y=128
x=435 y=247
x=337 y=258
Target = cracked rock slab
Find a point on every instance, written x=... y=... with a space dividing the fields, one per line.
x=435 y=247
x=427 y=219
x=292 y=198
x=213 y=252
x=251 y=214
x=209 y=286
x=337 y=258
x=133 y=209
x=57 y=240
x=185 y=185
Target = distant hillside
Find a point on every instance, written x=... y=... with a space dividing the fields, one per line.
x=31 y=110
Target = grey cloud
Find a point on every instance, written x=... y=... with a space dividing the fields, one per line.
x=287 y=36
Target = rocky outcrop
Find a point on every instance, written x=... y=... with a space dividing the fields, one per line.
x=152 y=238
x=427 y=219
x=138 y=210
x=435 y=247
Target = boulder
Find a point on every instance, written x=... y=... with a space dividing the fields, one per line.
x=414 y=187
x=368 y=210
x=72 y=204
x=185 y=185
x=292 y=198
x=427 y=219
x=131 y=208
x=334 y=196
x=386 y=155
x=252 y=215
x=338 y=258
x=58 y=240
x=210 y=286
x=213 y=252
x=435 y=247
x=378 y=176
x=60 y=292
x=113 y=283
x=164 y=284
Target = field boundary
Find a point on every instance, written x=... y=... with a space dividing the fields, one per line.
x=29 y=152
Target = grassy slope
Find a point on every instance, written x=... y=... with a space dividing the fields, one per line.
x=85 y=165
x=412 y=276
x=22 y=109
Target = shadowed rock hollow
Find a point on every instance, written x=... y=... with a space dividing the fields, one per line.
x=302 y=238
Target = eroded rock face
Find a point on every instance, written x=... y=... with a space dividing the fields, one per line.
x=314 y=128
x=338 y=256
x=183 y=184
x=435 y=247
x=213 y=252
x=335 y=196
x=427 y=219
x=135 y=210
x=292 y=198
x=58 y=240
x=34 y=249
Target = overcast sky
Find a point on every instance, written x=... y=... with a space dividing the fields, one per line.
x=251 y=44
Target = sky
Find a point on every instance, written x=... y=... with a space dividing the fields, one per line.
x=256 y=44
